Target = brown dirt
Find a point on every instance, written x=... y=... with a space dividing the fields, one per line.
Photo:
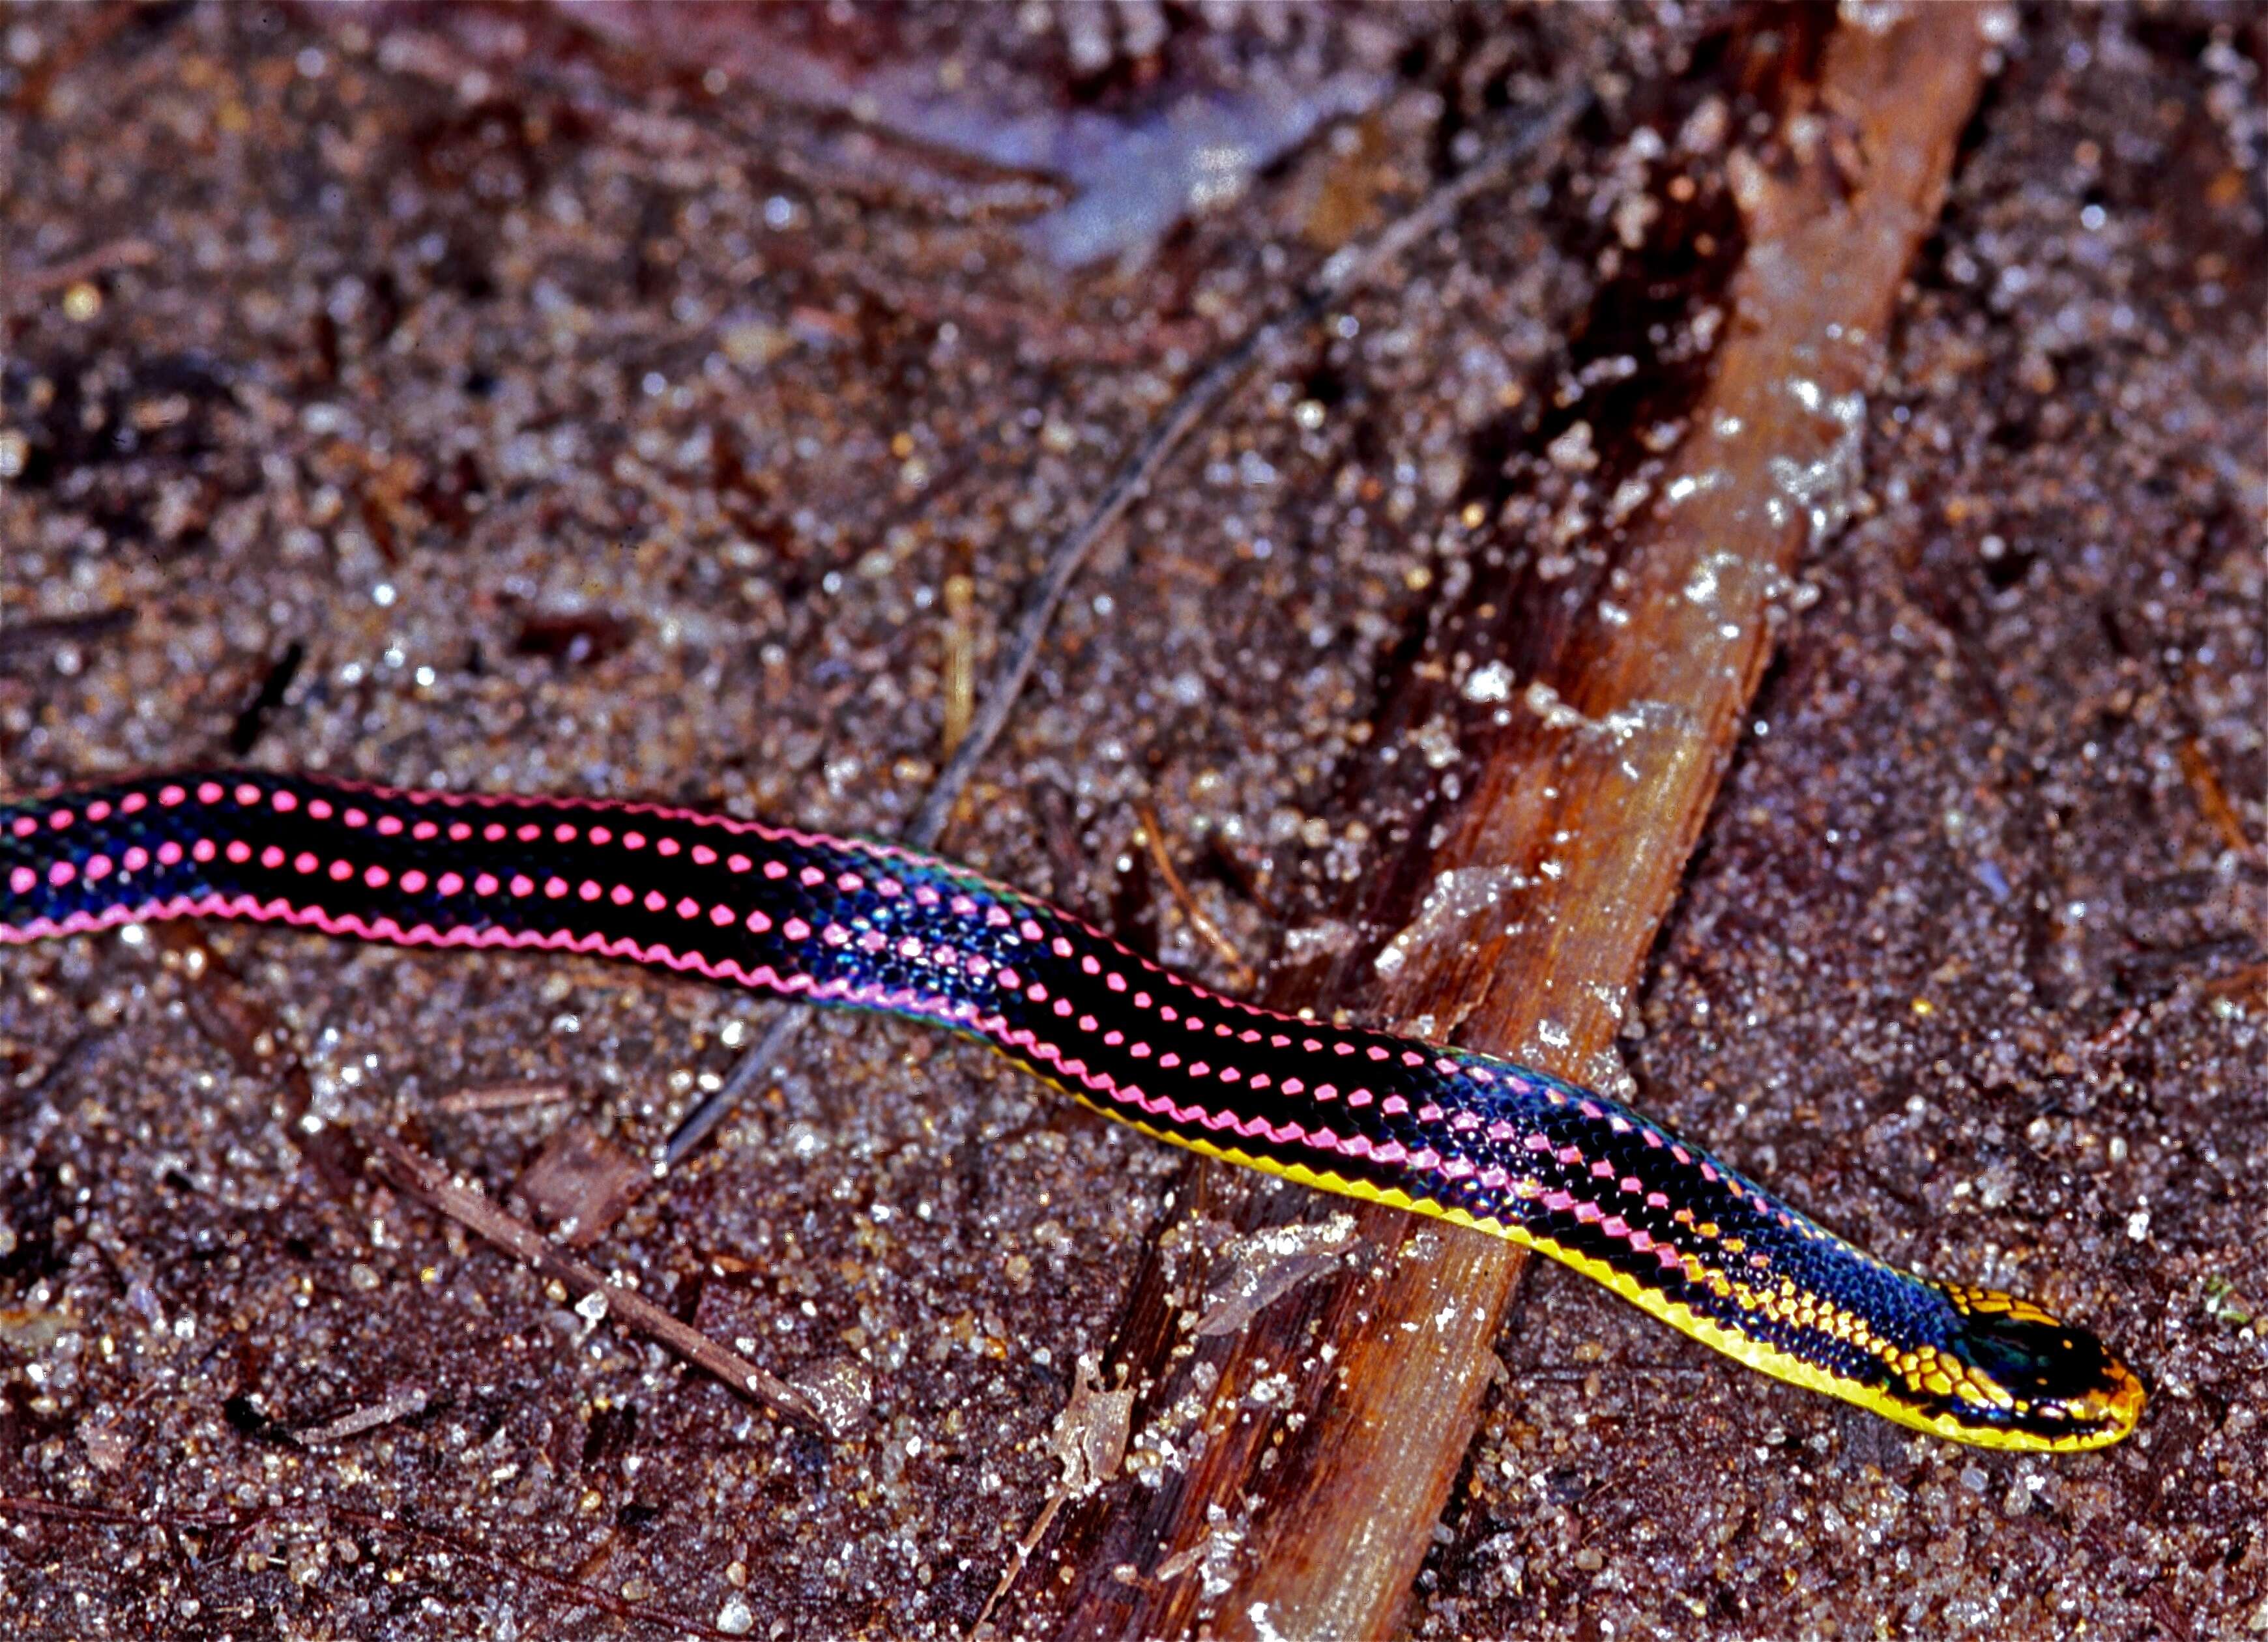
x=582 y=424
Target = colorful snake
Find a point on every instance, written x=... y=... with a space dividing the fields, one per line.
x=1442 y=1131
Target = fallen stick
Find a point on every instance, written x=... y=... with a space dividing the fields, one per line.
x=423 y=1178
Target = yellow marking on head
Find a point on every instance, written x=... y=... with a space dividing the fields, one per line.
x=2125 y=1406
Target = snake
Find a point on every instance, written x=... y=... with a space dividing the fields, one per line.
x=1440 y=1130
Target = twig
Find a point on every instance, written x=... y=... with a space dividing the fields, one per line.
x=1342 y=272
x=425 y=1179
x=1153 y=839
x=23 y=638
x=712 y=1111
x=130 y=252
x=498 y=1097
x=403 y=1404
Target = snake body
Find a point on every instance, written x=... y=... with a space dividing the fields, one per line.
x=1447 y=1131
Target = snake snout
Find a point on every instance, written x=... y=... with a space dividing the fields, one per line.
x=2064 y=1382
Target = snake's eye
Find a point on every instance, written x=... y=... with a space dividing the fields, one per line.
x=2051 y=1369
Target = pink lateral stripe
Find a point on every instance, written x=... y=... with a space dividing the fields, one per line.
x=1009 y=914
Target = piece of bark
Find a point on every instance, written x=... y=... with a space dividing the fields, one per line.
x=1307 y=1511
x=579 y=1183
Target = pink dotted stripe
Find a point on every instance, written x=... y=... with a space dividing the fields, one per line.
x=285 y=801
x=637 y=827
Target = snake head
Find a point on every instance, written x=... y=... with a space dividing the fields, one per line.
x=2031 y=1380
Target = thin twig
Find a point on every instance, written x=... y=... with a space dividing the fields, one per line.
x=1153 y=839
x=425 y=1179
x=2211 y=798
x=130 y=252
x=23 y=638
x=1342 y=272
x=712 y=1111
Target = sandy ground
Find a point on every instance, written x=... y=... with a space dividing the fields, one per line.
x=583 y=423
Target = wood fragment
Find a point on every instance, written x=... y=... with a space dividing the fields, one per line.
x=244 y=734
x=2211 y=798
x=403 y=1404
x=579 y=1183
x=498 y=1097
x=960 y=687
x=1088 y=1442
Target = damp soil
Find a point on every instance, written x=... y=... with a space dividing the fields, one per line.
x=496 y=400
